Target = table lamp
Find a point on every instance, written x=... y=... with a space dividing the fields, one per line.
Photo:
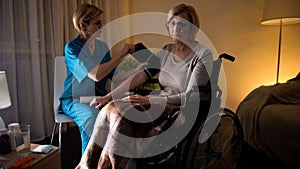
x=4 y=96
x=281 y=12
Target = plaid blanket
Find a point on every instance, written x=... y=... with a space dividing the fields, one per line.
x=120 y=130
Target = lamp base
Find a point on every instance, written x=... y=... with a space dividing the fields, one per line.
x=2 y=124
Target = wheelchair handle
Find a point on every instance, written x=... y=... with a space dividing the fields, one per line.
x=227 y=56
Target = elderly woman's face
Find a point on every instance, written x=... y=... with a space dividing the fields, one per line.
x=179 y=28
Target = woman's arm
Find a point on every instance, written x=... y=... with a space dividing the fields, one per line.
x=102 y=70
x=130 y=83
x=200 y=71
x=124 y=75
x=83 y=66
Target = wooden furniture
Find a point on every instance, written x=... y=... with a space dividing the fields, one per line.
x=51 y=160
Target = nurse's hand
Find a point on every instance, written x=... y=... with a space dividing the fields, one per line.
x=127 y=49
x=99 y=101
x=137 y=99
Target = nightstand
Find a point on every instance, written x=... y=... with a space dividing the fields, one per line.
x=50 y=160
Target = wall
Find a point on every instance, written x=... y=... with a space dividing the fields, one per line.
x=233 y=26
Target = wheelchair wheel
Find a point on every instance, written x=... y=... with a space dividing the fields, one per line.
x=217 y=149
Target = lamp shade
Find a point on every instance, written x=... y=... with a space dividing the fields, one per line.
x=285 y=11
x=4 y=93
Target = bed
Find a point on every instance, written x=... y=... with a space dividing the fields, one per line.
x=270 y=117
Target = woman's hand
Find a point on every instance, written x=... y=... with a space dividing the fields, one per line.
x=127 y=49
x=138 y=99
x=99 y=101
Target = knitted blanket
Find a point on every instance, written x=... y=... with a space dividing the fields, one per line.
x=270 y=117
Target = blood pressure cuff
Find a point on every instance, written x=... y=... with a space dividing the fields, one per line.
x=143 y=54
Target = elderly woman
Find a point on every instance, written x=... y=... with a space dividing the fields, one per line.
x=121 y=122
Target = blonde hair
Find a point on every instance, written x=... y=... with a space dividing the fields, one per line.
x=192 y=17
x=84 y=13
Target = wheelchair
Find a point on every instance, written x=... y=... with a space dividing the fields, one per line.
x=215 y=142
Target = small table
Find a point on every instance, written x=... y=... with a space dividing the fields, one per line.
x=51 y=160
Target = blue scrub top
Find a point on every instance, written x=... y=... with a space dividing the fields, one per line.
x=79 y=62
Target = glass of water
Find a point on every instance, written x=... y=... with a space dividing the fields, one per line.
x=22 y=140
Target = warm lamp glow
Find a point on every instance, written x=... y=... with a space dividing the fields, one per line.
x=286 y=11
x=281 y=12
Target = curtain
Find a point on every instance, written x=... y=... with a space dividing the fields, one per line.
x=32 y=33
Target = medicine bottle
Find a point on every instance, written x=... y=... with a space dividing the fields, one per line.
x=13 y=128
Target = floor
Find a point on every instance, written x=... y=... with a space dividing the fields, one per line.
x=71 y=153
